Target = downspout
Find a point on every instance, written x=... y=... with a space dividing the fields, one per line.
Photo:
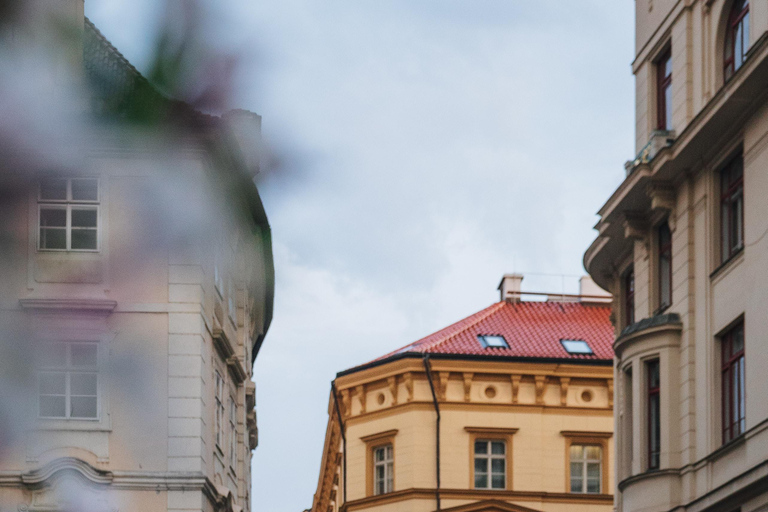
x=343 y=441
x=428 y=369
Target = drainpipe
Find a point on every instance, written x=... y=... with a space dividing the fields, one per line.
x=343 y=441
x=428 y=369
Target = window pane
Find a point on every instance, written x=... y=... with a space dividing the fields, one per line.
x=481 y=465
x=82 y=218
x=577 y=470
x=576 y=485
x=389 y=452
x=82 y=384
x=593 y=486
x=52 y=406
x=497 y=448
x=481 y=481
x=668 y=107
x=739 y=53
x=53 y=238
x=53 y=217
x=84 y=354
x=379 y=454
x=577 y=451
x=497 y=482
x=53 y=355
x=738 y=340
x=497 y=466
x=83 y=407
x=593 y=470
x=481 y=447
x=593 y=452
x=53 y=189
x=84 y=239
x=85 y=189
x=52 y=384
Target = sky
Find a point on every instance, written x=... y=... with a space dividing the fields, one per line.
x=425 y=148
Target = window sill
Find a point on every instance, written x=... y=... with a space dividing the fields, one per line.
x=70 y=424
x=731 y=262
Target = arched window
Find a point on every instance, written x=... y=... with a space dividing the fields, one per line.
x=736 y=38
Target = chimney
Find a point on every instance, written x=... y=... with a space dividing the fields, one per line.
x=590 y=292
x=510 y=287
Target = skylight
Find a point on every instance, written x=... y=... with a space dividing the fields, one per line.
x=576 y=347
x=489 y=341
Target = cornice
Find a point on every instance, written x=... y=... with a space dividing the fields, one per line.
x=491 y=430
x=655 y=325
x=379 y=435
x=92 y=306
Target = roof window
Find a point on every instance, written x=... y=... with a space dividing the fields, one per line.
x=492 y=341
x=576 y=347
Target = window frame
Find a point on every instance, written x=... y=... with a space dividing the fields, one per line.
x=232 y=423
x=586 y=438
x=68 y=370
x=737 y=22
x=731 y=193
x=388 y=463
x=663 y=250
x=491 y=434
x=663 y=85
x=373 y=442
x=628 y=292
x=219 y=411
x=68 y=204
x=585 y=461
x=653 y=401
x=728 y=362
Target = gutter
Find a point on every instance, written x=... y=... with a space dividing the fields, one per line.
x=428 y=369
x=343 y=441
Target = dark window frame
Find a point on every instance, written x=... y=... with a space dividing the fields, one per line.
x=731 y=208
x=629 y=296
x=663 y=87
x=653 y=401
x=732 y=372
x=664 y=254
x=736 y=31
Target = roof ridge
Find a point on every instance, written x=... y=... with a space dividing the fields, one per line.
x=493 y=308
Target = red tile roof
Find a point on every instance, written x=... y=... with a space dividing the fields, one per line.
x=531 y=329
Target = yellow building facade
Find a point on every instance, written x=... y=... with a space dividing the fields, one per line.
x=491 y=413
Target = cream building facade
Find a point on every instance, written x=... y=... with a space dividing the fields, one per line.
x=492 y=413
x=682 y=246
x=136 y=288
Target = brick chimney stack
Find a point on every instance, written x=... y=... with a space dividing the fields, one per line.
x=510 y=287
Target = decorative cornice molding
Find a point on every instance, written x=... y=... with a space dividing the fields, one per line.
x=38 y=477
x=379 y=435
x=491 y=430
x=92 y=306
x=583 y=434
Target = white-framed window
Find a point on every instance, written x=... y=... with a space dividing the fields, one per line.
x=490 y=464
x=218 y=279
x=68 y=214
x=68 y=380
x=586 y=468
x=232 y=298
x=232 y=433
x=219 y=426
x=383 y=469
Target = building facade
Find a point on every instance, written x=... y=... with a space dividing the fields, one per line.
x=682 y=246
x=509 y=409
x=136 y=288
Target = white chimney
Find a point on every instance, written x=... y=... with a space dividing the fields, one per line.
x=590 y=292
x=510 y=287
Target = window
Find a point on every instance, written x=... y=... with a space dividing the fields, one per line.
x=383 y=469
x=731 y=208
x=664 y=236
x=586 y=468
x=664 y=91
x=493 y=341
x=628 y=414
x=232 y=299
x=68 y=214
x=219 y=380
x=68 y=381
x=736 y=38
x=232 y=433
x=654 y=411
x=490 y=464
x=576 y=346
x=732 y=344
x=629 y=296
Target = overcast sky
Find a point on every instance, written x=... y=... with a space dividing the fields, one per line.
x=427 y=147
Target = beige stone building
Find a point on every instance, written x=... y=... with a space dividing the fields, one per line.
x=136 y=287
x=682 y=245
x=509 y=409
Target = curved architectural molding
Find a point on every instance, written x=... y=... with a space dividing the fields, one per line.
x=646 y=327
x=41 y=476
